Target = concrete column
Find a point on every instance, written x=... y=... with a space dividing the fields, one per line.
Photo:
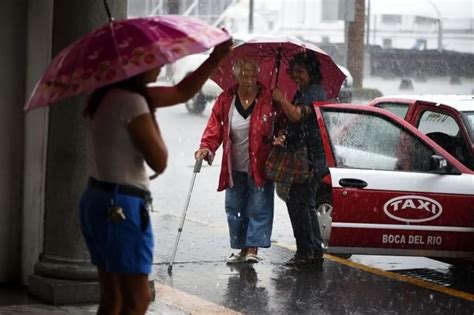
x=38 y=41
x=63 y=274
x=12 y=65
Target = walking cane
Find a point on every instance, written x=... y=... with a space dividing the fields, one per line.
x=197 y=169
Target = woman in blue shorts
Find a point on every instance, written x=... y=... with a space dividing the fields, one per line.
x=122 y=135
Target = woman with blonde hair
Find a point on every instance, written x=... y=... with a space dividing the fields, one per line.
x=241 y=122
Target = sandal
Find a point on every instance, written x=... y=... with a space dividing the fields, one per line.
x=251 y=258
x=235 y=259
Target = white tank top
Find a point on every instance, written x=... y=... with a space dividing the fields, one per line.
x=239 y=132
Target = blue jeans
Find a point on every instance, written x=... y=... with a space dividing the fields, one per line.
x=249 y=212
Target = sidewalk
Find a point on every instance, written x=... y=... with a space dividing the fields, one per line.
x=202 y=283
x=14 y=300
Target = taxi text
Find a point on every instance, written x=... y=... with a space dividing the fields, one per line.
x=412 y=239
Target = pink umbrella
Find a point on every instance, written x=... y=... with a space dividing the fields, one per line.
x=120 y=50
x=273 y=56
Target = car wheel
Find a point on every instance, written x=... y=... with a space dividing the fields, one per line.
x=197 y=104
x=324 y=211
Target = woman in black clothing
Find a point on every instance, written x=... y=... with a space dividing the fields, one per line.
x=302 y=130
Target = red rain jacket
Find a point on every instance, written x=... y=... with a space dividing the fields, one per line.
x=218 y=131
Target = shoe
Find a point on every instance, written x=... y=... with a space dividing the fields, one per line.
x=298 y=261
x=251 y=258
x=291 y=262
x=316 y=261
x=235 y=259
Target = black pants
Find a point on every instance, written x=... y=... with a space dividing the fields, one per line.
x=301 y=206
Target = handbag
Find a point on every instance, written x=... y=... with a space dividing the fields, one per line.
x=291 y=167
x=288 y=166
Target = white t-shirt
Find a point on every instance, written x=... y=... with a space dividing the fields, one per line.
x=111 y=154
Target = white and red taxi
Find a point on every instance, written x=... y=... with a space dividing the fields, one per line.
x=391 y=189
x=446 y=119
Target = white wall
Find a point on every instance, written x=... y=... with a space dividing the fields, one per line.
x=12 y=65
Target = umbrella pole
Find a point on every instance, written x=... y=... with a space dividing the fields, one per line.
x=277 y=65
x=108 y=11
x=197 y=169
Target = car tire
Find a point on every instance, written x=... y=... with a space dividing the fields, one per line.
x=324 y=210
x=197 y=104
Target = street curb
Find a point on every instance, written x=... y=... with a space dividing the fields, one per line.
x=187 y=303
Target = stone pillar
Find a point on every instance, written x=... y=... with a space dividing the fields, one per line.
x=12 y=65
x=63 y=274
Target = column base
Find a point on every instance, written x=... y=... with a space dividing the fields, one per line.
x=61 y=269
x=65 y=292
x=61 y=292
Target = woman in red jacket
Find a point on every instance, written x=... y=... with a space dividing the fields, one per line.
x=241 y=121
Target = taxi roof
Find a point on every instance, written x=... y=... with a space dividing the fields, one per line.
x=460 y=102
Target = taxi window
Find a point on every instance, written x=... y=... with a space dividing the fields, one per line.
x=367 y=141
x=469 y=119
x=432 y=121
x=398 y=109
x=443 y=129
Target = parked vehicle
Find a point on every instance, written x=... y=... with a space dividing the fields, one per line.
x=447 y=119
x=211 y=90
x=391 y=189
x=345 y=94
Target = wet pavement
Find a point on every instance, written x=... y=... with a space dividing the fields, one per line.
x=202 y=283
x=270 y=287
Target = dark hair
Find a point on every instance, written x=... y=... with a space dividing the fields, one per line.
x=134 y=84
x=310 y=61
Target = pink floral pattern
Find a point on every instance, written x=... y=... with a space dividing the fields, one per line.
x=119 y=50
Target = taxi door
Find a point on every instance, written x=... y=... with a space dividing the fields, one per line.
x=394 y=191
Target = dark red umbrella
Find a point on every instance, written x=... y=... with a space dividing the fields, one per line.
x=273 y=56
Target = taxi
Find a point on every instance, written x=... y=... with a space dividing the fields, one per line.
x=447 y=119
x=391 y=189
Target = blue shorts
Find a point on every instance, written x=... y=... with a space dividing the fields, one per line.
x=119 y=246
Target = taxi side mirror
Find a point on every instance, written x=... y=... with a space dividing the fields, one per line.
x=439 y=165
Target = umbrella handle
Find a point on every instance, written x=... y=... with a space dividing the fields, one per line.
x=111 y=19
